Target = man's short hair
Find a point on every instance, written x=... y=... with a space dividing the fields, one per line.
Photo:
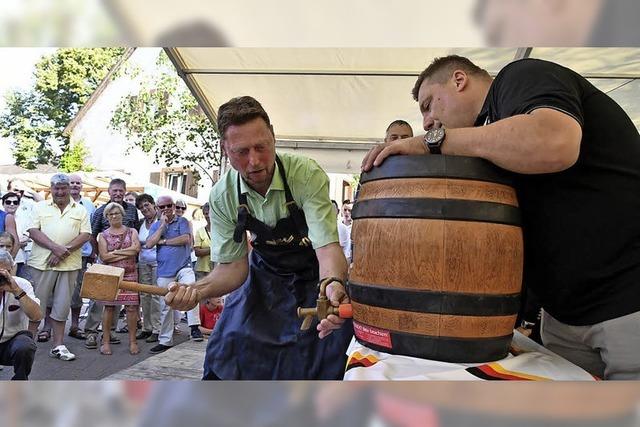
x=118 y=181
x=60 y=178
x=441 y=69
x=399 y=122
x=239 y=111
x=144 y=197
x=111 y=206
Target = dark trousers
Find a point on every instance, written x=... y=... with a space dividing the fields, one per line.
x=19 y=352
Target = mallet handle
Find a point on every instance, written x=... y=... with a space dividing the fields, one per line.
x=139 y=287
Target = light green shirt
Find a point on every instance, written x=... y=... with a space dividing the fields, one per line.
x=309 y=187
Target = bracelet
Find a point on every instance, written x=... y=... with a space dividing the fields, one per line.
x=330 y=280
x=21 y=294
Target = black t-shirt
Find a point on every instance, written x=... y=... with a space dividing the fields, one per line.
x=582 y=225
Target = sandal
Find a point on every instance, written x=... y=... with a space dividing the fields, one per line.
x=77 y=333
x=44 y=336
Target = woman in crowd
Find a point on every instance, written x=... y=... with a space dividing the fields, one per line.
x=8 y=222
x=10 y=204
x=118 y=246
x=202 y=246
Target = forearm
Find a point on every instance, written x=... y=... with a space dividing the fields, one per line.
x=332 y=262
x=202 y=251
x=31 y=309
x=109 y=257
x=41 y=239
x=527 y=144
x=155 y=238
x=126 y=252
x=11 y=228
x=224 y=279
x=77 y=242
x=184 y=239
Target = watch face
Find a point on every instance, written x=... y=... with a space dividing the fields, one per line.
x=433 y=136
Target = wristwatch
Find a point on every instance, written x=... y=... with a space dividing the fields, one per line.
x=433 y=140
x=527 y=325
x=162 y=242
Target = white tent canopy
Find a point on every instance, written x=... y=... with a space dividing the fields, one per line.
x=333 y=103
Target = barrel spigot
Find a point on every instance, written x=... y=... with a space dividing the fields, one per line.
x=323 y=307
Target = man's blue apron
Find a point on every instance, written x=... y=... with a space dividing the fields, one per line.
x=258 y=335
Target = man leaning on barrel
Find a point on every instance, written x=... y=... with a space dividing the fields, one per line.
x=283 y=201
x=576 y=157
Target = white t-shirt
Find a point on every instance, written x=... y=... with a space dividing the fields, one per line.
x=146 y=256
x=344 y=234
x=14 y=320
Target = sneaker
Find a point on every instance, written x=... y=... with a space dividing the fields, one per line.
x=91 y=342
x=61 y=352
x=160 y=348
x=114 y=339
x=196 y=335
x=142 y=335
x=152 y=338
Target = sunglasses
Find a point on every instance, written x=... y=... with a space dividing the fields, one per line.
x=181 y=208
x=165 y=206
x=12 y=202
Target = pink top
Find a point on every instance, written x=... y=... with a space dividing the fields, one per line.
x=122 y=241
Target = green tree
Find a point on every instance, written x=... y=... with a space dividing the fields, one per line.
x=74 y=159
x=163 y=119
x=36 y=118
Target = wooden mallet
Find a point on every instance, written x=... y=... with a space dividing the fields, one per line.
x=102 y=282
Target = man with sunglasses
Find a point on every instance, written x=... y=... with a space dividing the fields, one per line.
x=171 y=236
x=117 y=189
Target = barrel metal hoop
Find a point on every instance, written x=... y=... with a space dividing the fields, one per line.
x=448 y=303
x=444 y=209
x=454 y=350
x=454 y=167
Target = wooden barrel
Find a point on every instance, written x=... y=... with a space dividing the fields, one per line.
x=437 y=259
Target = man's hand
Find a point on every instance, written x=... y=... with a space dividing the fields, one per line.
x=53 y=260
x=337 y=295
x=163 y=219
x=61 y=252
x=8 y=283
x=377 y=154
x=182 y=297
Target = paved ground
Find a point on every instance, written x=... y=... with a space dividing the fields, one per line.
x=91 y=365
x=182 y=362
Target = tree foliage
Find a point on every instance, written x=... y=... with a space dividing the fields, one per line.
x=74 y=159
x=164 y=119
x=36 y=118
